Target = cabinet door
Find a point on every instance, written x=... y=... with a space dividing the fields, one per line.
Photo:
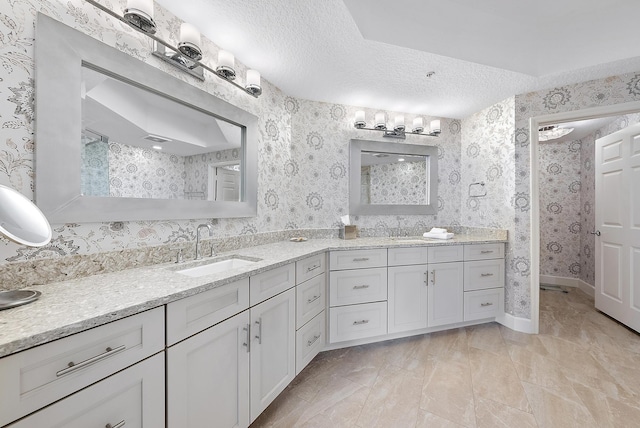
x=273 y=349
x=208 y=377
x=407 y=301
x=133 y=398
x=445 y=293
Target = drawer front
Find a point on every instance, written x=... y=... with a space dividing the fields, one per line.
x=356 y=259
x=39 y=376
x=482 y=274
x=446 y=253
x=193 y=314
x=348 y=287
x=408 y=256
x=483 y=304
x=484 y=251
x=267 y=284
x=310 y=340
x=358 y=321
x=310 y=299
x=310 y=267
x=134 y=396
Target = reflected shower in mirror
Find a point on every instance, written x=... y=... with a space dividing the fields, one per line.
x=139 y=144
x=393 y=178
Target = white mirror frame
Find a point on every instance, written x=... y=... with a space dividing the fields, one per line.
x=356 y=207
x=61 y=52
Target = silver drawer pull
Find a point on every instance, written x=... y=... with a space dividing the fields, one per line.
x=73 y=366
x=118 y=425
x=486 y=251
x=486 y=304
x=312 y=268
x=486 y=274
x=361 y=259
x=313 y=299
x=361 y=322
x=360 y=287
x=314 y=340
x=259 y=335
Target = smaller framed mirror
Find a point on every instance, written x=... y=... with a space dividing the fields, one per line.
x=392 y=178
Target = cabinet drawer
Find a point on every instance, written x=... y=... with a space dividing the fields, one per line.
x=348 y=287
x=310 y=267
x=358 y=321
x=39 y=376
x=134 y=396
x=310 y=299
x=408 y=256
x=446 y=253
x=356 y=259
x=482 y=274
x=188 y=316
x=267 y=284
x=483 y=304
x=484 y=251
x=310 y=340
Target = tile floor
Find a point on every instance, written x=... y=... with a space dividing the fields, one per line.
x=583 y=370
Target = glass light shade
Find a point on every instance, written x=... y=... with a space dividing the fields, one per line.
x=418 y=125
x=226 y=65
x=552 y=133
x=359 y=121
x=398 y=123
x=380 y=122
x=253 y=82
x=145 y=6
x=435 y=126
x=190 y=42
x=139 y=14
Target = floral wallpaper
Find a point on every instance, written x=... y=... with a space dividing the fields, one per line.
x=135 y=172
x=197 y=170
x=403 y=183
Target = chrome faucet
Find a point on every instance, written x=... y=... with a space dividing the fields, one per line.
x=208 y=226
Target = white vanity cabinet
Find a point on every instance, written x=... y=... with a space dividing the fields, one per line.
x=39 y=376
x=445 y=293
x=483 y=281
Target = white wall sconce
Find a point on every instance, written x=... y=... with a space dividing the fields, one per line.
x=399 y=127
x=187 y=55
x=139 y=14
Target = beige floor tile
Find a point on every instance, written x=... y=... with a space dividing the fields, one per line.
x=343 y=413
x=285 y=411
x=491 y=414
x=552 y=410
x=487 y=337
x=429 y=420
x=494 y=377
x=441 y=343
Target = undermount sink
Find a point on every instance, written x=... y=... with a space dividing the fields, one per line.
x=216 y=266
x=411 y=240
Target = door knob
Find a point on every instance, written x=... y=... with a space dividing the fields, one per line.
x=597 y=233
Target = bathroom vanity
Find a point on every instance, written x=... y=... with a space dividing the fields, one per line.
x=153 y=346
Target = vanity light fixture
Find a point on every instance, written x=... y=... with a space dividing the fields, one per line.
x=187 y=56
x=552 y=132
x=399 y=128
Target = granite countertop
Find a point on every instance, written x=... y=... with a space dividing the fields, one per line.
x=72 y=306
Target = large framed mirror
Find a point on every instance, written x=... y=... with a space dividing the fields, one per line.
x=118 y=140
x=392 y=178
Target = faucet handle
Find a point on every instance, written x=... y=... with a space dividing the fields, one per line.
x=179 y=256
x=213 y=250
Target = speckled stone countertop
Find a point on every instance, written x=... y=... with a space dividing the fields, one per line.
x=72 y=306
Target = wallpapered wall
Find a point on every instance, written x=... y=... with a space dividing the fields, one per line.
x=402 y=183
x=302 y=145
x=197 y=170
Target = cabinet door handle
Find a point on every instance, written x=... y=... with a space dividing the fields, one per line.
x=486 y=304
x=486 y=274
x=259 y=335
x=106 y=354
x=361 y=322
x=361 y=259
x=426 y=278
x=312 y=268
x=313 y=299
x=247 y=343
x=486 y=251
x=314 y=340
x=433 y=277
x=360 y=287
x=118 y=425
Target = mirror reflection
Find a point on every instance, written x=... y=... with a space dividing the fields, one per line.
x=138 y=144
x=393 y=178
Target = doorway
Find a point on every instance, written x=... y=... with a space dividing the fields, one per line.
x=534 y=124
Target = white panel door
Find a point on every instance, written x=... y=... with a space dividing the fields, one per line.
x=407 y=300
x=618 y=221
x=445 y=293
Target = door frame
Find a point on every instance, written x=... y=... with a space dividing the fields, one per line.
x=534 y=215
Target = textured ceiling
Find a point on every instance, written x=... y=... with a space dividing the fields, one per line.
x=376 y=53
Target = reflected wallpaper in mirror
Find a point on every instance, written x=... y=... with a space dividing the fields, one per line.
x=390 y=178
x=138 y=144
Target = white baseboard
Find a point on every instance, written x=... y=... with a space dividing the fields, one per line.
x=523 y=325
x=568 y=282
